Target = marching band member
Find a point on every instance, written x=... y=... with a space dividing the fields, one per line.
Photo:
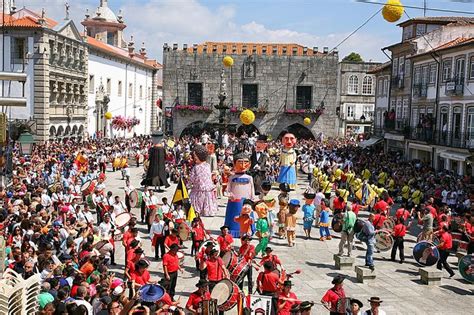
x=269 y=256
x=225 y=240
x=157 y=236
x=145 y=202
x=172 y=239
x=197 y=235
x=128 y=189
x=201 y=258
x=286 y=299
x=216 y=270
x=194 y=304
x=247 y=252
x=171 y=267
x=151 y=207
x=118 y=207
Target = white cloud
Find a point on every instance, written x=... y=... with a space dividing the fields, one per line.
x=189 y=21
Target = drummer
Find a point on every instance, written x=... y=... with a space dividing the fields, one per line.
x=128 y=189
x=172 y=239
x=399 y=232
x=269 y=256
x=201 y=258
x=118 y=207
x=197 y=235
x=194 y=304
x=151 y=206
x=216 y=270
x=225 y=240
x=171 y=267
x=247 y=252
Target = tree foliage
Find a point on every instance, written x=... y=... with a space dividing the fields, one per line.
x=353 y=56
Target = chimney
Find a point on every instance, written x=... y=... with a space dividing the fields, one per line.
x=305 y=50
x=195 y=47
x=315 y=50
x=204 y=48
x=131 y=47
x=325 y=50
x=165 y=46
x=185 y=47
x=143 y=50
x=175 y=46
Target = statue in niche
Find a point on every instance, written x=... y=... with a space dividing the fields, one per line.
x=249 y=68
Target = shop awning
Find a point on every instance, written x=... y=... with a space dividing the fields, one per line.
x=421 y=147
x=367 y=143
x=391 y=136
x=454 y=155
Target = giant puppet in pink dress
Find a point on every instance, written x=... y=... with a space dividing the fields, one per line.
x=240 y=187
x=288 y=160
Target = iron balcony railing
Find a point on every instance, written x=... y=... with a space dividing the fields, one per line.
x=420 y=90
x=456 y=139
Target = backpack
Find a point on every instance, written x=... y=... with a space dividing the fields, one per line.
x=358 y=225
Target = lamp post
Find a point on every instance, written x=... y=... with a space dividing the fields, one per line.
x=26 y=141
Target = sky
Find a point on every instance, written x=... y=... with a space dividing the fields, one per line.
x=307 y=22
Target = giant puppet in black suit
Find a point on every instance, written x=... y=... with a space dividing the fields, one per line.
x=259 y=161
x=156 y=173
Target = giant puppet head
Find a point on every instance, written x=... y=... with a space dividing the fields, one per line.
x=261 y=209
x=261 y=144
x=241 y=163
x=211 y=148
x=288 y=140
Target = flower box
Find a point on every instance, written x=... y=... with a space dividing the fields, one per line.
x=193 y=108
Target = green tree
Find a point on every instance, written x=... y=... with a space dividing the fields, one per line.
x=353 y=56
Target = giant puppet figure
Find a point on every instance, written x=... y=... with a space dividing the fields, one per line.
x=240 y=187
x=288 y=160
x=156 y=173
x=258 y=163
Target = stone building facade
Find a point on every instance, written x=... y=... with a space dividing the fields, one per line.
x=281 y=83
x=356 y=97
x=54 y=56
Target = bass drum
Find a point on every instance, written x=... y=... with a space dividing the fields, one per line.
x=227 y=295
x=426 y=253
x=230 y=260
x=214 y=242
x=383 y=240
x=183 y=231
x=336 y=223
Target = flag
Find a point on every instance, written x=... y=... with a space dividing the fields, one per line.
x=181 y=198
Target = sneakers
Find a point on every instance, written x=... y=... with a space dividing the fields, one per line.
x=329 y=237
x=372 y=267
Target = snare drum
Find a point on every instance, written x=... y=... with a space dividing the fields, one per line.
x=336 y=223
x=116 y=163
x=458 y=243
x=230 y=260
x=123 y=161
x=388 y=224
x=88 y=187
x=122 y=220
x=426 y=253
x=239 y=271
x=184 y=231
x=136 y=198
x=227 y=294
x=383 y=240
x=91 y=202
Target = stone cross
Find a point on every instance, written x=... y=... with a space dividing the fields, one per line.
x=67 y=6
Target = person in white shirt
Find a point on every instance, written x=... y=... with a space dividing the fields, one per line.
x=151 y=207
x=118 y=208
x=375 y=307
x=157 y=235
x=106 y=227
x=79 y=299
x=85 y=215
x=128 y=189
x=46 y=199
x=145 y=202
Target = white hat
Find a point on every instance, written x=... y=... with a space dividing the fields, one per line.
x=118 y=290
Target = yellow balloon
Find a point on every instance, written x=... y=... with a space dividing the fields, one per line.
x=247 y=117
x=108 y=115
x=307 y=121
x=392 y=10
x=228 y=61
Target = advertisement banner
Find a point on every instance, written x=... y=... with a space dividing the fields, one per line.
x=260 y=304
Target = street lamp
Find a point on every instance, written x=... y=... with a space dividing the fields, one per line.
x=362 y=118
x=26 y=141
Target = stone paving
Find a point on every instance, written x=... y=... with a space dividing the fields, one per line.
x=398 y=285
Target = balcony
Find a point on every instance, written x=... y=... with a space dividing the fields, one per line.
x=455 y=87
x=420 y=90
x=398 y=82
x=449 y=139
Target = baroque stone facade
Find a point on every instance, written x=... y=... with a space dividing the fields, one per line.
x=275 y=80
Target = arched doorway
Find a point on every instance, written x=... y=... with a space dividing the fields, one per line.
x=248 y=129
x=52 y=132
x=74 y=130
x=68 y=131
x=195 y=129
x=300 y=132
x=60 y=131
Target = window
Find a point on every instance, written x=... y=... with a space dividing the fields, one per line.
x=195 y=94
x=395 y=67
x=424 y=75
x=149 y=93
x=140 y=89
x=457 y=123
x=447 y=70
x=417 y=76
x=350 y=111
x=444 y=120
x=470 y=123
x=420 y=29
x=433 y=74
x=110 y=38
x=91 y=83
x=471 y=69
x=398 y=110
x=408 y=68
x=109 y=86
x=408 y=32
x=380 y=86
x=249 y=95
x=119 y=88
x=18 y=46
x=460 y=70
x=303 y=97
x=130 y=90
x=353 y=85
x=405 y=109
x=401 y=65
x=385 y=86
x=368 y=111
x=367 y=85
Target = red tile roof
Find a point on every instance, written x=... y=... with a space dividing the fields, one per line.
x=380 y=68
x=238 y=47
x=120 y=52
x=26 y=21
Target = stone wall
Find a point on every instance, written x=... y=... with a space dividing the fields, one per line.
x=276 y=76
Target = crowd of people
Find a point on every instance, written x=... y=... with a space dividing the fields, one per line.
x=61 y=222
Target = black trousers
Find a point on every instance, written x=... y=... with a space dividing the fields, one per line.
x=443 y=261
x=142 y=211
x=249 y=280
x=203 y=274
x=398 y=243
x=127 y=203
x=160 y=246
x=102 y=167
x=172 y=283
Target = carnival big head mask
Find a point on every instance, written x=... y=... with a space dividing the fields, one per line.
x=261 y=144
x=211 y=148
x=288 y=140
x=241 y=163
x=261 y=209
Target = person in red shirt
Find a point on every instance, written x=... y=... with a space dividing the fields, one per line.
x=197 y=235
x=399 y=232
x=269 y=256
x=445 y=244
x=194 y=304
x=201 y=259
x=429 y=205
x=286 y=299
x=128 y=237
x=402 y=213
x=379 y=219
x=356 y=206
x=140 y=274
x=132 y=260
x=172 y=239
x=267 y=280
x=216 y=270
x=225 y=240
x=333 y=295
x=381 y=206
x=166 y=303
x=338 y=205
x=247 y=252
x=170 y=268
